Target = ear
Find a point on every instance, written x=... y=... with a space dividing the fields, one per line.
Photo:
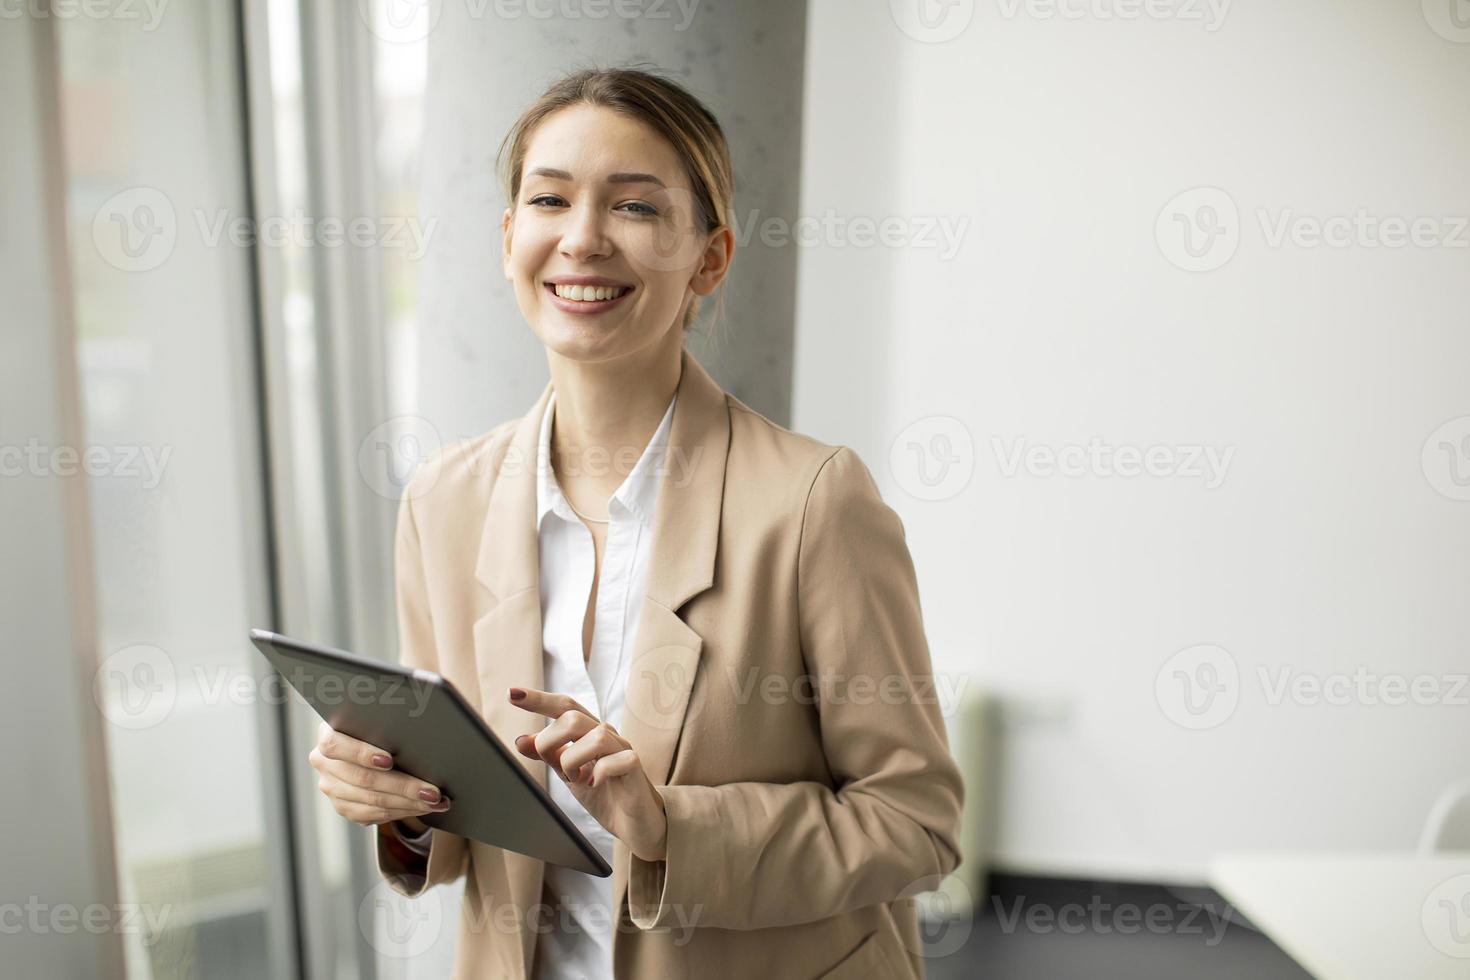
x=507 y=223
x=718 y=254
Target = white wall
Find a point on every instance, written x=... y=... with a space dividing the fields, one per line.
x=1327 y=546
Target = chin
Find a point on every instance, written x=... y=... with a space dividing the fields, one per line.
x=580 y=341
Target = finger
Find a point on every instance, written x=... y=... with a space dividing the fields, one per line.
x=612 y=766
x=335 y=745
x=366 y=815
x=547 y=744
x=346 y=790
x=346 y=795
x=546 y=703
x=401 y=786
x=363 y=814
x=589 y=748
x=360 y=807
x=552 y=739
x=526 y=746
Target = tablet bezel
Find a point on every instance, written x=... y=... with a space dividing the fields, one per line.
x=292 y=649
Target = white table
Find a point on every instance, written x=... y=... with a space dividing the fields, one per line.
x=1357 y=916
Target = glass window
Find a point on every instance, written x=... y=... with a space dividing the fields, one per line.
x=155 y=199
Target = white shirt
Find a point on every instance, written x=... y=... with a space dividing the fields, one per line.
x=577 y=941
x=575 y=929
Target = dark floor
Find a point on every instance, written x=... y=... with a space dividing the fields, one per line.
x=1056 y=929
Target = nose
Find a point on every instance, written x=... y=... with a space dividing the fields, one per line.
x=584 y=235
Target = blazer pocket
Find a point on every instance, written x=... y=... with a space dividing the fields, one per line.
x=867 y=959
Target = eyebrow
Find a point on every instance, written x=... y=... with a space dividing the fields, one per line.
x=617 y=178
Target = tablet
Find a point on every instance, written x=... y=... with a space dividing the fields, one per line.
x=434 y=734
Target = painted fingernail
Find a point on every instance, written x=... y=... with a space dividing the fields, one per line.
x=442 y=805
x=429 y=795
x=382 y=762
x=516 y=694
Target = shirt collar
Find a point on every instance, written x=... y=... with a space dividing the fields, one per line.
x=638 y=493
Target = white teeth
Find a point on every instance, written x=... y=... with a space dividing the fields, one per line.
x=588 y=293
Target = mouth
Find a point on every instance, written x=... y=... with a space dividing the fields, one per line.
x=585 y=299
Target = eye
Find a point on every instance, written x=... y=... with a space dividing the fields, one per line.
x=551 y=199
x=642 y=207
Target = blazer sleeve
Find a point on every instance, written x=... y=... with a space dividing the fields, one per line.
x=752 y=855
x=407 y=872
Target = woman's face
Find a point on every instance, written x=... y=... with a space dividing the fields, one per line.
x=605 y=204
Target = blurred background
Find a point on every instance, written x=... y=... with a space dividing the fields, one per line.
x=1150 y=317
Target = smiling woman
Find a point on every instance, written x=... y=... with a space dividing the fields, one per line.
x=609 y=605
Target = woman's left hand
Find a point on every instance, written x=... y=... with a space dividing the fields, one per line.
x=600 y=767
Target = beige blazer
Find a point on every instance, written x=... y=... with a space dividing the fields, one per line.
x=781 y=699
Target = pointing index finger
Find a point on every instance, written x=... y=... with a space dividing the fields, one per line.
x=546 y=703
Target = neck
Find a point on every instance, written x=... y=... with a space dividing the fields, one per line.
x=612 y=408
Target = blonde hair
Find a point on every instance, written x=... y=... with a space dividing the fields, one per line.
x=666 y=107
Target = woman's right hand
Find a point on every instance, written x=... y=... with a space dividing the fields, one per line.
x=360 y=781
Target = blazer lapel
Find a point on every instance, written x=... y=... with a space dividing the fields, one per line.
x=665 y=651
x=682 y=565
x=507 y=630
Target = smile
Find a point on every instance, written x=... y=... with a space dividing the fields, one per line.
x=586 y=299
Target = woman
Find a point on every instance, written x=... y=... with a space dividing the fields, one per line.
x=706 y=626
